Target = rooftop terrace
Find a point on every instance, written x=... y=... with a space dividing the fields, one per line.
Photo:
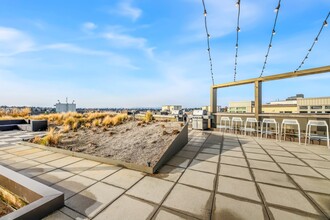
x=216 y=175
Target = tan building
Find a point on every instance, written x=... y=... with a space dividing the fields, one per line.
x=241 y=107
x=170 y=108
x=314 y=105
x=279 y=108
x=208 y=108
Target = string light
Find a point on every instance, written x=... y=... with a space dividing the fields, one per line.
x=324 y=24
x=238 y=29
x=208 y=36
x=277 y=9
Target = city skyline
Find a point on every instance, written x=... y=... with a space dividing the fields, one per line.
x=149 y=54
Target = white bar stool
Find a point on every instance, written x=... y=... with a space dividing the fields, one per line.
x=268 y=121
x=226 y=125
x=310 y=136
x=289 y=122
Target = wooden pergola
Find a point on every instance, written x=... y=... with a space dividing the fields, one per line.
x=258 y=86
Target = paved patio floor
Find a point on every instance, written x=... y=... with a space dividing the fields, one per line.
x=215 y=176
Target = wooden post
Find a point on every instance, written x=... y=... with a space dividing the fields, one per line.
x=257 y=99
x=213 y=106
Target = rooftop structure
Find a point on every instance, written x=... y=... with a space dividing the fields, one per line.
x=65 y=107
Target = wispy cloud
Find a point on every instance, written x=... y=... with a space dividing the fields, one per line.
x=88 y=26
x=126 y=9
x=222 y=18
x=13 y=41
x=123 y=40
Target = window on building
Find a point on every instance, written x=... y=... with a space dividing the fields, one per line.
x=327 y=107
x=327 y=112
x=303 y=107
x=303 y=112
x=316 y=107
x=288 y=112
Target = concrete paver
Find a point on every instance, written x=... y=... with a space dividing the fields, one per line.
x=198 y=179
x=274 y=178
x=235 y=171
x=170 y=173
x=127 y=208
x=279 y=214
x=189 y=200
x=264 y=165
x=208 y=157
x=233 y=161
x=203 y=166
x=179 y=162
x=99 y=172
x=241 y=188
x=37 y=170
x=287 y=197
x=288 y=160
x=293 y=180
x=313 y=184
x=151 y=189
x=164 y=214
x=94 y=199
x=73 y=185
x=80 y=166
x=323 y=201
x=53 y=176
x=234 y=209
x=300 y=170
x=124 y=178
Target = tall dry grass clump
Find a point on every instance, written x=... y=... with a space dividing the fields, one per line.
x=15 y=113
x=51 y=138
x=107 y=121
x=148 y=117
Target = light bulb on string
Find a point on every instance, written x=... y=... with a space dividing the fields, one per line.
x=325 y=23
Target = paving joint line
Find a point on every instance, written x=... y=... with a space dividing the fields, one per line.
x=177 y=181
x=311 y=201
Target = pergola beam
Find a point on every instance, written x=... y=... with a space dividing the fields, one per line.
x=287 y=75
x=258 y=87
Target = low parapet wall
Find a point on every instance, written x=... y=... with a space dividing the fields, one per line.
x=23 y=124
x=42 y=200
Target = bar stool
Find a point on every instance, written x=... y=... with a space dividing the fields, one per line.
x=224 y=126
x=310 y=136
x=289 y=122
x=236 y=123
x=269 y=121
x=253 y=126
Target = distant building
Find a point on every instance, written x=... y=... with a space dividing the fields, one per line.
x=241 y=107
x=170 y=108
x=280 y=107
x=293 y=104
x=208 y=108
x=314 y=105
x=65 y=107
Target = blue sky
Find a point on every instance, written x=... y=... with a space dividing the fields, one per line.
x=149 y=53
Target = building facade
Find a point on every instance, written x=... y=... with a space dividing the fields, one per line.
x=241 y=107
x=314 y=105
x=65 y=107
x=170 y=108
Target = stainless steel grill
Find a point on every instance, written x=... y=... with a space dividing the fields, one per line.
x=200 y=119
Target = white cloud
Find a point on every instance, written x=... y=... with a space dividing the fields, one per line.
x=222 y=18
x=88 y=26
x=121 y=40
x=13 y=41
x=125 y=9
